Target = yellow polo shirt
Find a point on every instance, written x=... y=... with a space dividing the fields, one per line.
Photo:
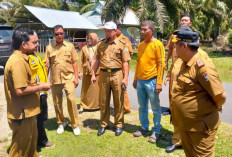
x=150 y=61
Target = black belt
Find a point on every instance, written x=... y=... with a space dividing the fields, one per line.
x=111 y=70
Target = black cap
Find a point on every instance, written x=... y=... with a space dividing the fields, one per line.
x=186 y=35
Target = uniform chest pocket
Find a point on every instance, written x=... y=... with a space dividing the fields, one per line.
x=189 y=85
x=118 y=54
x=67 y=56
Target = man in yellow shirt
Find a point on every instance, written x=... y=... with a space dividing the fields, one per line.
x=148 y=80
x=39 y=73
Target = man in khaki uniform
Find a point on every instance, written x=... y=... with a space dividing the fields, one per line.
x=197 y=96
x=185 y=19
x=61 y=59
x=120 y=36
x=112 y=57
x=22 y=95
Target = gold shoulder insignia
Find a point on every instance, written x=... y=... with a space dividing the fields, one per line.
x=122 y=41
x=200 y=63
x=101 y=40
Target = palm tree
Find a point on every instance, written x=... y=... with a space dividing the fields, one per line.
x=210 y=16
x=12 y=6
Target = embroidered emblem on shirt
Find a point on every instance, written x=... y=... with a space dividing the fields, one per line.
x=200 y=63
x=126 y=49
x=205 y=76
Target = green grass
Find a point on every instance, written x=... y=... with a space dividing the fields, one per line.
x=89 y=144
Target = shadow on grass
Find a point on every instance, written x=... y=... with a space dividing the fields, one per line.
x=94 y=124
x=51 y=124
x=165 y=138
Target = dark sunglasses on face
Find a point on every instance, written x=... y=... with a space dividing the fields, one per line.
x=61 y=33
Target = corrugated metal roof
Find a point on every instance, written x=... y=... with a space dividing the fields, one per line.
x=129 y=19
x=68 y=19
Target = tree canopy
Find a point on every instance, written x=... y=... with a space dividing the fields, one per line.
x=210 y=17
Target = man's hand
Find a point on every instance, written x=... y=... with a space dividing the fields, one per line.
x=135 y=84
x=158 y=88
x=166 y=65
x=80 y=76
x=76 y=82
x=166 y=80
x=44 y=86
x=125 y=82
x=93 y=79
x=47 y=64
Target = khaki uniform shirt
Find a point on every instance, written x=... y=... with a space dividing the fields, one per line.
x=128 y=43
x=61 y=58
x=194 y=85
x=112 y=55
x=172 y=46
x=17 y=74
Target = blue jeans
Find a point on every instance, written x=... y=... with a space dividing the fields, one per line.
x=146 y=89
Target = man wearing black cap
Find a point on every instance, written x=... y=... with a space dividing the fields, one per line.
x=197 y=94
x=186 y=20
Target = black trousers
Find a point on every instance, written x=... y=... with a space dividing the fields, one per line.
x=41 y=118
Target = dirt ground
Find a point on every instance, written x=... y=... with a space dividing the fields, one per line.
x=5 y=132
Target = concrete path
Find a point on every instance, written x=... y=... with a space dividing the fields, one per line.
x=226 y=115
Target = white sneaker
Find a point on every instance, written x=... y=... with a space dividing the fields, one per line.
x=76 y=131
x=61 y=127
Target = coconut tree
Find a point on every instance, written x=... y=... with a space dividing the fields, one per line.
x=210 y=16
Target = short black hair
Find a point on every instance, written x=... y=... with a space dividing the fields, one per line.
x=193 y=47
x=119 y=25
x=186 y=15
x=57 y=27
x=19 y=36
x=149 y=23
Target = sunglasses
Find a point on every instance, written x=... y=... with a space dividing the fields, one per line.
x=61 y=33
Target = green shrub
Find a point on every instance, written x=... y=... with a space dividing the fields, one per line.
x=229 y=39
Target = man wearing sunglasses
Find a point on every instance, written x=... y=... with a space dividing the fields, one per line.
x=61 y=60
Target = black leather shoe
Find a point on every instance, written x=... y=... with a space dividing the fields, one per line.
x=172 y=148
x=118 y=131
x=101 y=131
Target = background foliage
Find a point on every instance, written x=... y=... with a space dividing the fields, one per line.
x=210 y=17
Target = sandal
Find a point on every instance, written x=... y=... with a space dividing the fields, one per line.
x=154 y=137
x=140 y=132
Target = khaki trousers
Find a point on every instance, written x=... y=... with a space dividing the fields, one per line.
x=198 y=144
x=24 y=138
x=126 y=102
x=176 y=137
x=111 y=81
x=57 y=95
